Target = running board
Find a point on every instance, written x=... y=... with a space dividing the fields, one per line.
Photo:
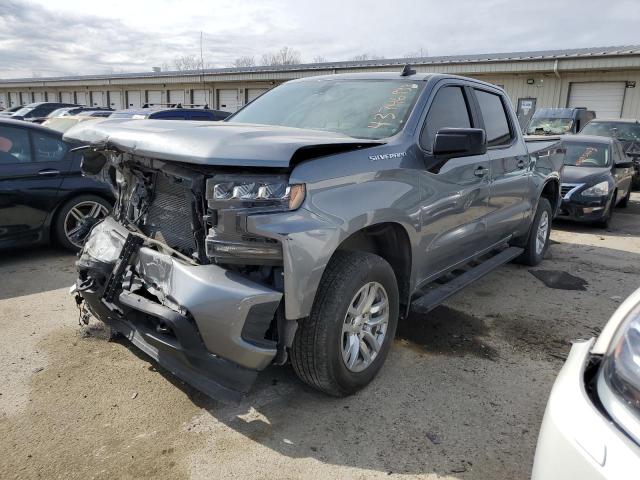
x=437 y=295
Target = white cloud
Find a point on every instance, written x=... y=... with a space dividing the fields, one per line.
x=49 y=37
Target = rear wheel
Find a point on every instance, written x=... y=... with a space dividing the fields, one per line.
x=76 y=217
x=345 y=340
x=624 y=203
x=537 y=242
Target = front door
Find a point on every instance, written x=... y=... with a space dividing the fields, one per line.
x=455 y=195
x=509 y=166
x=32 y=165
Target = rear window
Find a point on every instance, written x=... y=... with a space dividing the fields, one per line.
x=495 y=119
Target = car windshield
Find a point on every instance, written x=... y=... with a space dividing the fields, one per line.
x=372 y=109
x=24 y=111
x=626 y=132
x=549 y=126
x=586 y=155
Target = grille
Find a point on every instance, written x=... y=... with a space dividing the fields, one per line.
x=566 y=188
x=169 y=215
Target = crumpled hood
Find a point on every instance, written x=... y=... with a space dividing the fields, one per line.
x=212 y=143
x=572 y=174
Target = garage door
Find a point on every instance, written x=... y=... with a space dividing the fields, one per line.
x=52 y=97
x=253 y=93
x=98 y=99
x=200 y=97
x=81 y=98
x=228 y=100
x=25 y=97
x=115 y=100
x=14 y=99
x=154 y=97
x=3 y=101
x=176 y=96
x=133 y=99
x=605 y=98
x=66 y=97
x=38 y=96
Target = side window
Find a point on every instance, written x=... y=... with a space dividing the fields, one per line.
x=14 y=145
x=448 y=110
x=47 y=148
x=495 y=118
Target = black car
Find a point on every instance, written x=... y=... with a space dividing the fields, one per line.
x=171 y=112
x=10 y=111
x=596 y=178
x=625 y=130
x=81 y=110
x=43 y=195
x=37 y=112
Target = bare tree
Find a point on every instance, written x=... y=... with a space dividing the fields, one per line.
x=189 y=62
x=284 y=56
x=423 y=52
x=247 y=61
x=366 y=56
x=319 y=59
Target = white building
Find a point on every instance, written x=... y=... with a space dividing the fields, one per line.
x=602 y=79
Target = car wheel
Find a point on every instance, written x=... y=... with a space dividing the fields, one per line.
x=624 y=203
x=538 y=240
x=605 y=221
x=345 y=340
x=76 y=217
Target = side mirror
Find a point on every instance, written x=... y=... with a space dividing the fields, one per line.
x=624 y=163
x=460 y=142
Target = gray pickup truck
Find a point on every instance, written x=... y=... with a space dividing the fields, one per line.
x=306 y=225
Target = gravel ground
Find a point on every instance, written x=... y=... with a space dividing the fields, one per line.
x=461 y=395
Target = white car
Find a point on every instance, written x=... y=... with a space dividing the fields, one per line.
x=591 y=427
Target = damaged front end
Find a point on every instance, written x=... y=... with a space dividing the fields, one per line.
x=175 y=271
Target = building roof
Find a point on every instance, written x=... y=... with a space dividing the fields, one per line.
x=592 y=52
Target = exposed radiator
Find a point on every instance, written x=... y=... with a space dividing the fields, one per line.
x=169 y=215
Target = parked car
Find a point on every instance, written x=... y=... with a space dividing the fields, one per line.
x=591 y=427
x=62 y=124
x=626 y=131
x=37 y=112
x=559 y=121
x=306 y=224
x=171 y=112
x=43 y=195
x=80 y=110
x=102 y=113
x=11 y=110
x=596 y=178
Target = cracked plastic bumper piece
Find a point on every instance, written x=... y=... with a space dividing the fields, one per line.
x=206 y=324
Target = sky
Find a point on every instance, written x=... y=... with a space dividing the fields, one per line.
x=71 y=37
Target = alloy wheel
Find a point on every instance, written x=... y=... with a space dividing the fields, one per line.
x=78 y=217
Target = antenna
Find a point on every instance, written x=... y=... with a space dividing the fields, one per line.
x=407 y=70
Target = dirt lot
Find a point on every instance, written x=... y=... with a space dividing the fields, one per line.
x=461 y=396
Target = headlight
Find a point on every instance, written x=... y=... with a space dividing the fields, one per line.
x=225 y=192
x=599 y=190
x=621 y=374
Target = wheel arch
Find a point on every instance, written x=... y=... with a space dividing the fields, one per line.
x=53 y=217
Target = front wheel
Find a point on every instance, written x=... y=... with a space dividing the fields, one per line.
x=345 y=340
x=76 y=217
x=538 y=240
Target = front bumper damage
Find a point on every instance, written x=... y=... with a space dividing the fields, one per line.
x=203 y=323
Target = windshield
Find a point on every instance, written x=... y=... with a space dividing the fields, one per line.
x=550 y=126
x=586 y=155
x=372 y=109
x=626 y=132
x=23 y=112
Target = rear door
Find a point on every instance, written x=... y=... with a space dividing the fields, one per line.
x=455 y=196
x=509 y=157
x=32 y=166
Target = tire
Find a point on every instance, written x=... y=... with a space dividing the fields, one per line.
x=317 y=351
x=93 y=206
x=533 y=254
x=606 y=219
x=624 y=203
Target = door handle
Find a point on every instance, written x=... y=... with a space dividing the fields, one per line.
x=480 y=171
x=522 y=164
x=49 y=172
